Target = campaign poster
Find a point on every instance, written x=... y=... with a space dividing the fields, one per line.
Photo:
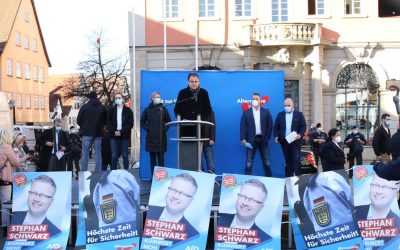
x=250 y=213
x=41 y=211
x=179 y=210
x=108 y=207
x=321 y=211
x=376 y=209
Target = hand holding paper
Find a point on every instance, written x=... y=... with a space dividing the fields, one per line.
x=248 y=145
x=291 y=137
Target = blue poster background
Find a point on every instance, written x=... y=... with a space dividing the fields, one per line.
x=331 y=201
x=362 y=178
x=269 y=218
x=227 y=90
x=197 y=212
x=59 y=212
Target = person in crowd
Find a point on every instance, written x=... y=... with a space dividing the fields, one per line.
x=290 y=122
x=40 y=198
x=91 y=120
x=389 y=171
x=119 y=125
x=210 y=132
x=313 y=128
x=255 y=131
x=395 y=144
x=106 y=151
x=381 y=140
x=179 y=196
x=250 y=201
x=192 y=101
x=355 y=142
x=332 y=153
x=8 y=161
x=50 y=145
x=153 y=120
x=18 y=145
x=75 y=147
x=317 y=139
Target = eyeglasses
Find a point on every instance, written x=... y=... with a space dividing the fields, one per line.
x=179 y=193
x=41 y=196
x=251 y=200
x=382 y=187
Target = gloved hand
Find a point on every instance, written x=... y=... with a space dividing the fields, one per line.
x=248 y=145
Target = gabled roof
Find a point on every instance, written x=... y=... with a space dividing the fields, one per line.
x=8 y=14
x=53 y=101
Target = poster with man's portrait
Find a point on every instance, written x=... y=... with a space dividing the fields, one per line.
x=376 y=209
x=250 y=212
x=41 y=211
x=321 y=210
x=179 y=210
x=108 y=207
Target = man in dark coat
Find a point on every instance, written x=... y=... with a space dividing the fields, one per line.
x=287 y=122
x=91 y=119
x=395 y=145
x=355 y=142
x=153 y=121
x=192 y=101
x=255 y=131
x=74 y=154
x=119 y=125
x=49 y=145
x=381 y=141
x=317 y=139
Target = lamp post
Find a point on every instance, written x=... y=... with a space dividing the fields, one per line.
x=11 y=104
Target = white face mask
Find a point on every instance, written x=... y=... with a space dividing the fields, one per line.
x=157 y=100
x=288 y=109
x=254 y=103
x=338 y=139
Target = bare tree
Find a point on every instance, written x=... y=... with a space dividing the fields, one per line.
x=98 y=73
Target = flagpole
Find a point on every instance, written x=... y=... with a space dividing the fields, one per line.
x=196 y=37
x=165 y=35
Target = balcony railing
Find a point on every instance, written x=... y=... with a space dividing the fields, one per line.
x=282 y=34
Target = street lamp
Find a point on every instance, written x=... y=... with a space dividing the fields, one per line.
x=11 y=104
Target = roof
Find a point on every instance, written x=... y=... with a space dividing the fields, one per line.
x=8 y=13
x=53 y=101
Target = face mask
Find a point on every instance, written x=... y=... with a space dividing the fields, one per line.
x=73 y=131
x=288 y=109
x=319 y=129
x=388 y=123
x=355 y=131
x=338 y=139
x=58 y=128
x=118 y=101
x=157 y=100
x=254 y=103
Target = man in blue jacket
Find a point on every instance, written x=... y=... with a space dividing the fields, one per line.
x=255 y=131
x=287 y=122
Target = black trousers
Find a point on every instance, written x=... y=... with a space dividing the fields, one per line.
x=154 y=156
x=352 y=156
x=71 y=160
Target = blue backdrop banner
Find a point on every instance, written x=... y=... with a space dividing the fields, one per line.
x=230 y=92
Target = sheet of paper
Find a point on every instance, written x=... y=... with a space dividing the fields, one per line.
x=291 y=137
x=60 y=154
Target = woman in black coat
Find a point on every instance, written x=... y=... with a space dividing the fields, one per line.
x=153 y=121
x=333 y=154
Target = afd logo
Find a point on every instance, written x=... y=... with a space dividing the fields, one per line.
x=246 y=103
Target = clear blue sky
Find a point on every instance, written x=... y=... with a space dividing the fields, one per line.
x=67 y=26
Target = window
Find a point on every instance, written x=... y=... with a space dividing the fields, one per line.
x=28 y=101
x=207 y=8
x=18 y=101
x=316 y=7
x=280 y=11
x=17 y=38
x=26 y=15
x=9 y=67
x=27 y=71
x=172 y=8
x=34 y=44
x=35 y=72
x=18 y=69
x=243 y=8
x=36 y=102
x=353 y=7
x=26 y=42
x=42 y=102
x=357 y=100
x=41 y=74
x=388 y=8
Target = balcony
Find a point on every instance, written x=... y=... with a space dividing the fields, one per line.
x=274 y=34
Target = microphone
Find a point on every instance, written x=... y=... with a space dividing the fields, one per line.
x=195 y=96
x=54 y=115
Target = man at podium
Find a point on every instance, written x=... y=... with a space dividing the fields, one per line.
x=192 y=101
